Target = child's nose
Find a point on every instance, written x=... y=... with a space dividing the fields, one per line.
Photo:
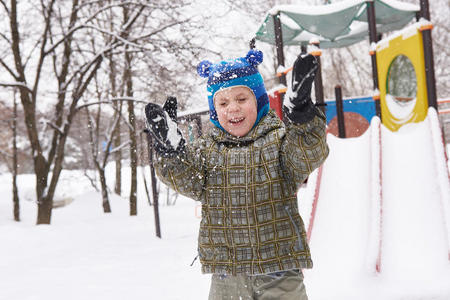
x=233 y=107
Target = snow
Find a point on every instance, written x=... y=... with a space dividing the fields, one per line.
x=317 y=9
x=441 y=170
x=276 y=88
x=86 y=254
x=338 y=6
x=173 y=136
x=193 y=111
x=404 y=33
x=401 y=5
x=372 y=260
x=412 y=227
x=402 y=110
x=415 y=248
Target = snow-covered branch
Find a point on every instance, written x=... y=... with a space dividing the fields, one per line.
x=5 y=38
x=124 y=41
x=159 y=30
x=58 y=129
x=16 y=84
x=120 y=147
x=111 y=101
x=5 y=7
x=10 y=71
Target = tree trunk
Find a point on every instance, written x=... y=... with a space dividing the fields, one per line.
x=105 y=198
x=116 y=134
x=154 y=192
x=14 y=168
x=132 y=120
x=133 y=155
x=93 y=141
x=118 y=156
x=142 y=159
x=44 y=202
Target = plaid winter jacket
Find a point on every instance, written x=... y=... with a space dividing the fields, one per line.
x=247 y=187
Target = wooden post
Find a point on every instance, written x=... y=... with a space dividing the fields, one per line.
x=373 y=39
x=252 y=43
x=428 y=55
x=279 y=45
x=153 y=177
x=303 y=49
x=318 y=85
x=340 y=111
x=198 y=120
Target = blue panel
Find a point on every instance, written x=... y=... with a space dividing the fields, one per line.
x=364 y=106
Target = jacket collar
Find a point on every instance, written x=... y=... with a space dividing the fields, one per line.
x=266 y=124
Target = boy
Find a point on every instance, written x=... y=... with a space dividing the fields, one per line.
x=246 y=172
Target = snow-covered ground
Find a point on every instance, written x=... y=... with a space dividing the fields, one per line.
x=86 y=254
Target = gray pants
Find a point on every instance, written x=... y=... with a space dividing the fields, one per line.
x=275 y=286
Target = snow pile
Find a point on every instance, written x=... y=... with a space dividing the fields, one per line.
x=373 y=247
x=86 y=254
x=442 y=172
x=414 y=244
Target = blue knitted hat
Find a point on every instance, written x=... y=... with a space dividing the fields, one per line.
x=241 y=71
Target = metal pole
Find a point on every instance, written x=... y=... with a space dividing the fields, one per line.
x=373 y=39
x=279 y=44
x=340 y=111
x=318 y=85
x=428 y=55
x=154 y=192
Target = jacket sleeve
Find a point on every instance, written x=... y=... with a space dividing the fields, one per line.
x=184 y=173
x=304 y=147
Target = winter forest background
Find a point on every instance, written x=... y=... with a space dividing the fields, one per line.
x=75 y=76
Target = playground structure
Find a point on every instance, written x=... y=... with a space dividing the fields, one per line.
x=403 y=76
x=383 y=163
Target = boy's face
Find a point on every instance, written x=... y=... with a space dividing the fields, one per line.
x=236 y=109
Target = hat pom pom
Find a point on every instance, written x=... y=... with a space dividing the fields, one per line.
x=203 y=68
x=254 y=57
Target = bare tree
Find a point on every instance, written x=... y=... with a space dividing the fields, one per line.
x=100 y=153
x=15 y=163
x=10 y=157
x=128 y=80
x=73 y=76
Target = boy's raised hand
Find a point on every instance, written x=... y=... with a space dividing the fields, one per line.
x=298 y=98
x=162 y=124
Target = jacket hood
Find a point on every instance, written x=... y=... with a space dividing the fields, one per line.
x=268 y=123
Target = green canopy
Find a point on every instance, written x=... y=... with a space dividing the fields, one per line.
x=335 y=25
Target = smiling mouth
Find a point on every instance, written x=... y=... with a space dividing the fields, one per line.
x=236 y=121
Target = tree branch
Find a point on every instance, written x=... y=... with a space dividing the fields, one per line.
x=20 y=85
x=5 y=7
x=110 y=102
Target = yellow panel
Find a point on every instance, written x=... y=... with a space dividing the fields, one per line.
x=410 y=45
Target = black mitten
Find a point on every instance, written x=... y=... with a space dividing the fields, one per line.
x=298 y=106
x=162 y=124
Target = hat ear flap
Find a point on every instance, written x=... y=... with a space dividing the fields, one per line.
x=254 y=57
x=203 y=68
